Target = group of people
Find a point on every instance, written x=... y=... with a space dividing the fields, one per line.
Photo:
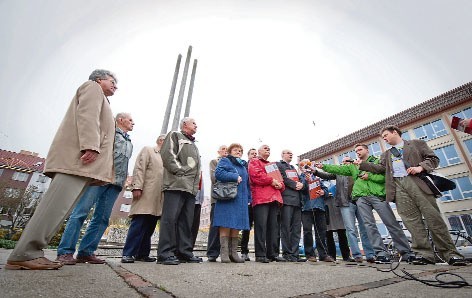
x=279 y=207
x=88 y=161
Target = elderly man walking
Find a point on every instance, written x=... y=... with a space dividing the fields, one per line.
x=182 y=167
x=81 y=153
x=102 y=199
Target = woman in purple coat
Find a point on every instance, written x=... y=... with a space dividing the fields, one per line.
x=232 y=216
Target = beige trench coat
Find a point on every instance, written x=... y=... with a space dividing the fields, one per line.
x=87 y=124
x=148 y=176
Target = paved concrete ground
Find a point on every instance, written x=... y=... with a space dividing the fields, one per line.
x=225 y=280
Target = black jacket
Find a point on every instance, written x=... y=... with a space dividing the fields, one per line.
x=290 y=195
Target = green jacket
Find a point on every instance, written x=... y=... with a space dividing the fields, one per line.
x=373 y=186
x=181 y=161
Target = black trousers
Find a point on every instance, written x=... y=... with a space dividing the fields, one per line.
x=138 y=240
x=177 y=218
x=343 y=244
x=290 y=229
x=213 y=246
x=317 y=219
x=245 y=233
x=196 y=223
x=266 y=230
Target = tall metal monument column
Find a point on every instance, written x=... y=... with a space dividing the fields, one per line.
x=178 y=108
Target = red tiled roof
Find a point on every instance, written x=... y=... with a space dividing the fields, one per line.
x=21 y=162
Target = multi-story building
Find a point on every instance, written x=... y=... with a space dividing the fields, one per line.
x=122 y=205
x=205 y=213
x=21 y=175
x=429 y=121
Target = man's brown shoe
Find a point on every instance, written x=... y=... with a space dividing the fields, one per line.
x=34 y=264
x=92 y=259
x=66 y=259
x=312 y=259
x=328 y=259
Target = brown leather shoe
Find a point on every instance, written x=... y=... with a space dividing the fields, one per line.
x=92 y=259
x=328 y=259
x=66 y=259
x=312 y=259
x=34 y=264
x=358 y=259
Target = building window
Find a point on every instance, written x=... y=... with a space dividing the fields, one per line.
x=12 y=193
x=35 y=195
x=351 y=154
x=42 y=179
x=466 y=113
x=1 y=172
x=406 y=135
x=125 y=207
x=374 y=149
x=462 y=191
x=455 y=223
x=447 y=156
x=20 y=176
x=467 y=221
x=461 y=223
x=328 y=161
x=431 y=130
x=127 y=194
x=468 y=144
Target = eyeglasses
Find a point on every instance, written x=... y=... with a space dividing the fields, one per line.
x=113 y=82
x=288 y=153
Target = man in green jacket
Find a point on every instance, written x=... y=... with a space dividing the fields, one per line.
x=181 y=161
x=368 y=193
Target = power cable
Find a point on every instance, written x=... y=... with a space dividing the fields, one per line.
x=437 y=282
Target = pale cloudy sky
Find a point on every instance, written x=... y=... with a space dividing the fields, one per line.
x=266 y=69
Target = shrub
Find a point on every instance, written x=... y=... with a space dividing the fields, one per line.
x=4 y=233
x=16 y=235
x=57 y=238
x=8 y=244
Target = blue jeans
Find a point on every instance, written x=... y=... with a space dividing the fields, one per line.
x=102 y=198
x=349 y=218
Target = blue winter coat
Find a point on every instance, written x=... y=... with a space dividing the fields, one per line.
x=233 y=214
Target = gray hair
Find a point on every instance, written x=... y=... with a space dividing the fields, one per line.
x=163 y=136
x=101 y=74
x=184 y=120
x=123 y=115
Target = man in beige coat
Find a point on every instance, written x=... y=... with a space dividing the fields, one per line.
x=80 y=154
x=146 y=208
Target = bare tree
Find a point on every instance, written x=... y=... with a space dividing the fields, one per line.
x=18 y=204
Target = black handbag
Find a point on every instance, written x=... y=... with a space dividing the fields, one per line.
x=224 y=191
x=437 y=184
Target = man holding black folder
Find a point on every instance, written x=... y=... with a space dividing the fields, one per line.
x=415 y=200
x=291 y=212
